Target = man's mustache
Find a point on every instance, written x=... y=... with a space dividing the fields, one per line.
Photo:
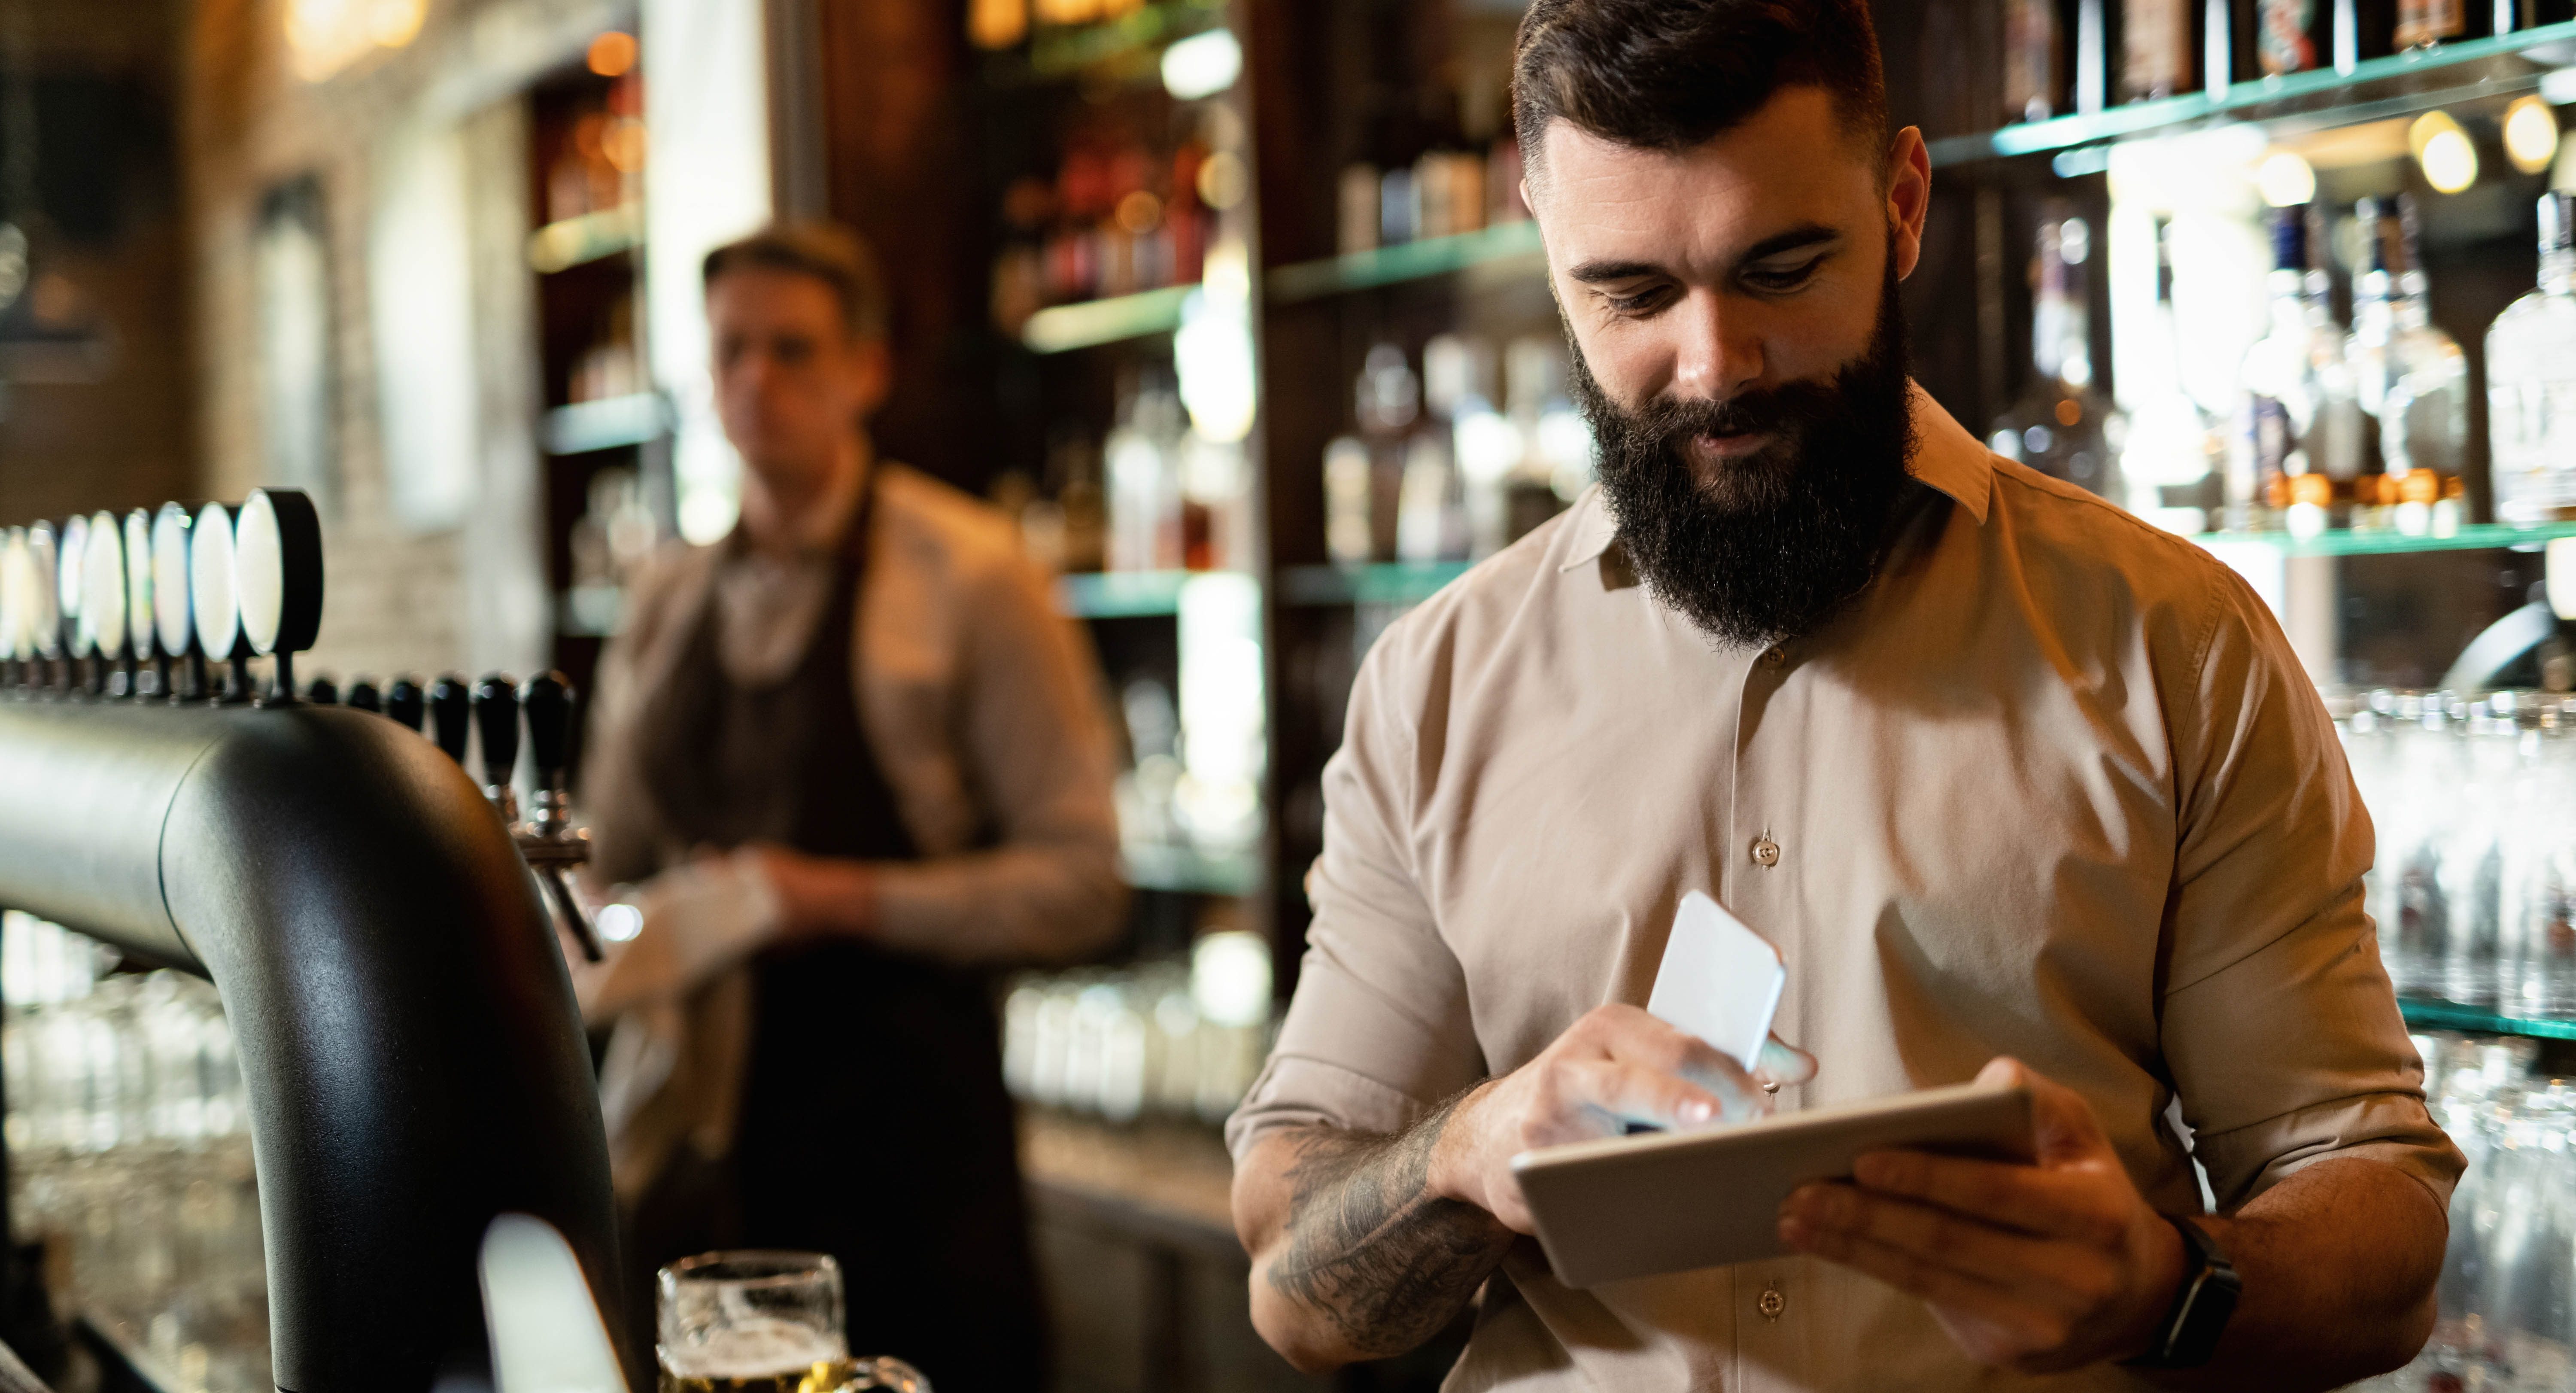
x=1762 y=411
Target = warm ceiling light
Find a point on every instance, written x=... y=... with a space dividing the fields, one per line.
x=2530 y=134
x=394 y=23
x=997 y=23
x=2285 y=180
x=613 y=54
x=2450 y=162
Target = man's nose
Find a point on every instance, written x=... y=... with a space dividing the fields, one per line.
x=1719 y=352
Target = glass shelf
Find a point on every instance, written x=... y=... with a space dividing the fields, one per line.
x=2424 y=1013
x=560 y=246
x=1190 y=870
x=1393 y=583
x=2391 y=86
x=1406 y=261
x=1120 y=594
x=606 y=424
x=1090 y=323
x=2479 y=537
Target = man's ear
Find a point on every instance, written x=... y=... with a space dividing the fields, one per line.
x=876 y=375
x=1909 y=197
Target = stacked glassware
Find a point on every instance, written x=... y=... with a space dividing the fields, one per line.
x=2508 y=1291
x=2474 y=885
x=1174 y=1038
x=130 y=1157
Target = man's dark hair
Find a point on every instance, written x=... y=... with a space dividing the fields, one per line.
x=829 y=253
x=1671 y=74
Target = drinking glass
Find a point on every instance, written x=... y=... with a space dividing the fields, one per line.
x=763 y=1322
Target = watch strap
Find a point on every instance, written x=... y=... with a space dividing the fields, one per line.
x=2202 y=1304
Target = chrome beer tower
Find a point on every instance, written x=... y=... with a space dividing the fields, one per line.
x=409 y=1042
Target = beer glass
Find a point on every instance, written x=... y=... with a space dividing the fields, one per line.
x=763 y=1322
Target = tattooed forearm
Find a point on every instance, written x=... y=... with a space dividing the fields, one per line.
x=1370 y=1248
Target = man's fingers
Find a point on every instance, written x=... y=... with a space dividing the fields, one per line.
x=2029 y=1198
x=2050 y=1275
x=2063 y=1127
x=1631 y=1037
x=1783 y=1064
x=1633 y=1094
x=1958 y=1292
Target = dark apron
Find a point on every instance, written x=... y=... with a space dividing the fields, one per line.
x=874 y=1124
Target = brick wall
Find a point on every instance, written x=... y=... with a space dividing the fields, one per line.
x=469 y=598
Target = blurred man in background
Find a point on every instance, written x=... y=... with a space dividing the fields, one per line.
x=857 y=761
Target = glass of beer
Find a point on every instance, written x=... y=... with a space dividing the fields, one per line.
x=763 y=1322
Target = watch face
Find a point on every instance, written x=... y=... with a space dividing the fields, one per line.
x=44 y=618
x=211 y=601
x=173 y=625
x=138 y=582
x=71 y=550
x=102 y=617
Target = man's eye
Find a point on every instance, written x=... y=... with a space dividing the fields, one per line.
x=1782 y=277
x=1642 y=302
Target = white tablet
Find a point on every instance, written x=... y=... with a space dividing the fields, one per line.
x=1668 y=1201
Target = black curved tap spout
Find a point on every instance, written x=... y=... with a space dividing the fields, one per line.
x=408 y=1037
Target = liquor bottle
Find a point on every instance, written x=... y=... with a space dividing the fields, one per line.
x=1145 y=516
x=2531 y=382
x=2412 y=381
x=2424 y=23
x=2173 y=462
x=2301 y=444
x=2033 y=72
x=2157 y=57
x=2292 y=36
x=1389 y=400
x=2062 y=425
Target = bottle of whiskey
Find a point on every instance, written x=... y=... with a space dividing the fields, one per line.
x=2531 y=382
x=2301 y=445
x=2063 y=424
x=2412 y=381
x=2034 y=68
x=2174 y=459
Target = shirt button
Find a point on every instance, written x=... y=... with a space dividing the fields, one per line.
x=1774 y=657
x=1766 y=852
x=1771 y=1303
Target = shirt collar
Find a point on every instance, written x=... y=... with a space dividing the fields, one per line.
x=1946 y=458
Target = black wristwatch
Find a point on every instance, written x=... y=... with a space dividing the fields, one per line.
x=2210 y=1286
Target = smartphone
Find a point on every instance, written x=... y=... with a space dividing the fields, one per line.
x=1719 y=980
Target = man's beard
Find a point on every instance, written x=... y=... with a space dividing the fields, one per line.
x=1785 y=537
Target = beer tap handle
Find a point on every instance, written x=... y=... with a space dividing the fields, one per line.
x=404 y=703
x=363 y=696
x=548 y=698
x=451 y=714
x=321 y=691
x=496 y=719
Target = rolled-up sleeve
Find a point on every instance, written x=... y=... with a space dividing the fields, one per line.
x=2278 y=1022
x=1379 y=1029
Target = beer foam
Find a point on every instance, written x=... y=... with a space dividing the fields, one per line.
x=751 y=1349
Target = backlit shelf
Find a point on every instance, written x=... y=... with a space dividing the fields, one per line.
x=2379 y=542
x=1432 y=256
x=2424 y=1013
x=1090 y=323
x=1120 y=594
x=2415 y=80
x=1190 y=870
x=560 y=246
x=1390 y=583
x=606 y=424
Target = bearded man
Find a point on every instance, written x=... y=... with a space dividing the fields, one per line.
x=2021 y=788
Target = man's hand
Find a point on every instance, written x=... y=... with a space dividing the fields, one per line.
x=2036 y=1268
x=818 y=896
x=1615 y=1066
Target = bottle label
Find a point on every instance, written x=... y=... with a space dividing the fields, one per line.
x=2157 y=60
x=2274 y=443
x=2030 y=60
x=2281 y=40
x=2423 y=23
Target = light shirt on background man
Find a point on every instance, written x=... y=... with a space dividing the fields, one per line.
x=2053 y=787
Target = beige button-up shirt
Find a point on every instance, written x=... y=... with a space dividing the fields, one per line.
x=2054 y=787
